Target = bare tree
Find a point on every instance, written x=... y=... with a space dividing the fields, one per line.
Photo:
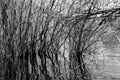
x=36 y=37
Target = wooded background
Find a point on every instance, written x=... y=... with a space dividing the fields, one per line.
x=57 y=39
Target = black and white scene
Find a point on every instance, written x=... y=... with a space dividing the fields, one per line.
x=59 y=39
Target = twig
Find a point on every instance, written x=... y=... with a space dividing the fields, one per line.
x=69 y=71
